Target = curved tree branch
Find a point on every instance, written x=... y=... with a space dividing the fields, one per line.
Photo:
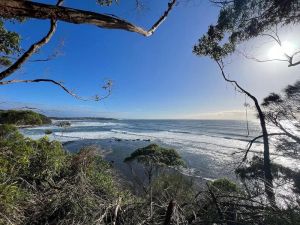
x=107 y=87
x=260 y=60
x=255 y=139
x=220 y=64
x=288 y=58
x=33 y=49
x=17 y=8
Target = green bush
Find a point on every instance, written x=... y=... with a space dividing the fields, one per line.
x=41 y=183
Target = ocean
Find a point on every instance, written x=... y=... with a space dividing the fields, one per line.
x=210 y=148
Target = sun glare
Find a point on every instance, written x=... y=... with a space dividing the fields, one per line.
x=277 y=52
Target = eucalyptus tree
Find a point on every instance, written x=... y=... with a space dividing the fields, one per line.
x=208 y=46
x=64 y=125
x=153 y=157
x=241 y=20
x=283 y=112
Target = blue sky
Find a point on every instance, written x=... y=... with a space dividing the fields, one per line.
x=154 y=77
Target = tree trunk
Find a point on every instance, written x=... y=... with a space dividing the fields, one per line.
x=268 y=178
x=267 y=162
x=170 y=212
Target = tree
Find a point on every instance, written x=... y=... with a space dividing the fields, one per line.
x=207 y=46
x=282 y=111
x=153 y=157
x=64 y=125
x=16 y=10
x=241 y=20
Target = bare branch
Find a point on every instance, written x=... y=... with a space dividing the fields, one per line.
x=289 y=58
x=107 y=87
x=254 y=140
x=260 y=60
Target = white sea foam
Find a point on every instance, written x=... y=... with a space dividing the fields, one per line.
x=217 y=148
x=75 y=124
x=94 y=124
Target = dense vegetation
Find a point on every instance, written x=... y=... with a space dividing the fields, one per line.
x=23 y=117
x=43 y=184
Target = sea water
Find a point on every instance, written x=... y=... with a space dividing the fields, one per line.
x=210 y=148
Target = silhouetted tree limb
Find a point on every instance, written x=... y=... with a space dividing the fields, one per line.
x=289 y=58
x=254 y=140
x=282 y=111
x=107 y=87
x=16 y=8
x=260 y=60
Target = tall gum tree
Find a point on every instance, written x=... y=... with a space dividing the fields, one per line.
x=240 y=21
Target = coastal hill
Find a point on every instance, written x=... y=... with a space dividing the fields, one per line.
x=23 y=118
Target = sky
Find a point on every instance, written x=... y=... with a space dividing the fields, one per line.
x=155 y=77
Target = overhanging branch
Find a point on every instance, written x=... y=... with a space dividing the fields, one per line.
x=107 y=87
x=17 y=8
x=254 y=140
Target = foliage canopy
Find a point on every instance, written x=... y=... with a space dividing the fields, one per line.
x=153 y=154
x=241 y=20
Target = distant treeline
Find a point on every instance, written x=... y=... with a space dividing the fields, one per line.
x=23 y=117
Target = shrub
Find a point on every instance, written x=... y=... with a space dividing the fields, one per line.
x=41 y=183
